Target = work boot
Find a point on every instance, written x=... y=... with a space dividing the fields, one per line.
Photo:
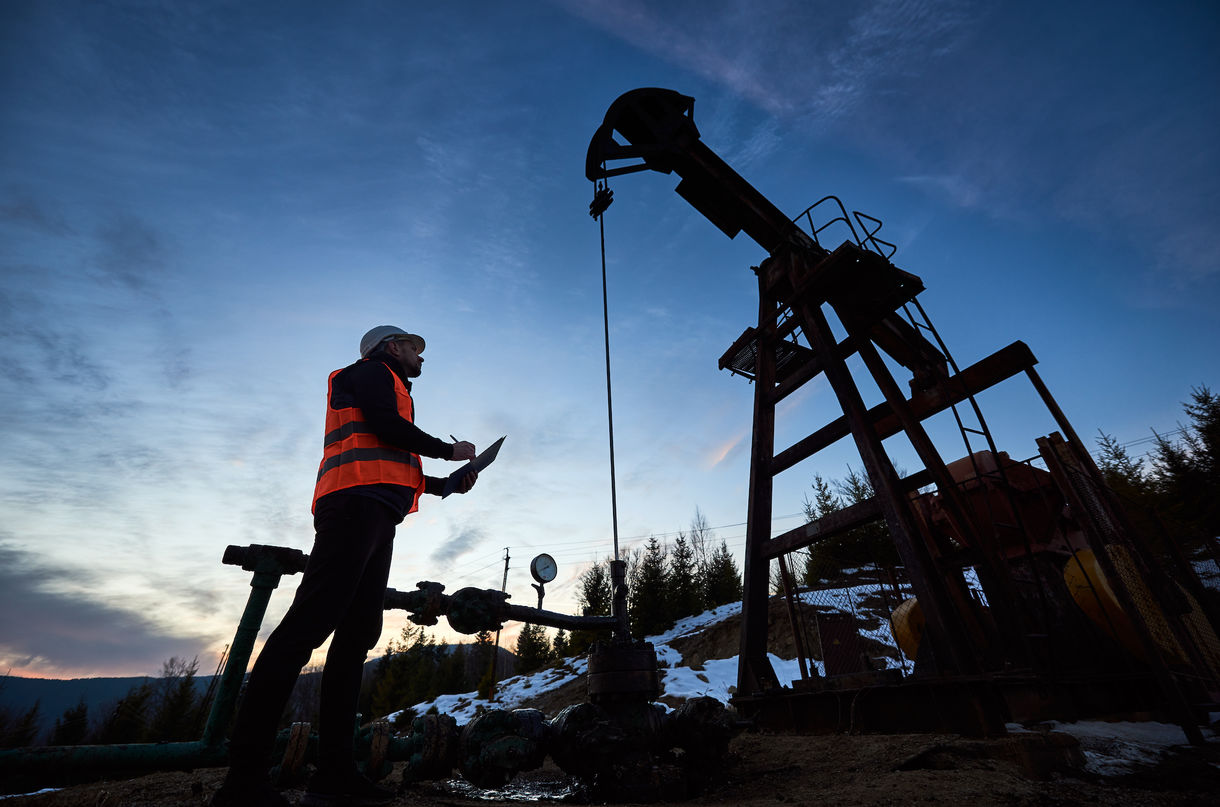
x=344 y=787
x=248 y=790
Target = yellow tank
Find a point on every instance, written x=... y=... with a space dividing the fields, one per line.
x=908 y=624
x=1093 y=593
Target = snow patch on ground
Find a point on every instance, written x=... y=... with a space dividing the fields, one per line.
x=693 y=624
x=1115 y=749
x=511 y=693
x=35 y=793
x=676 y=679
x=1110 y=749
x=716 y=678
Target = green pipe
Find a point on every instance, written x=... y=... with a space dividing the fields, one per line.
x=225 y=702
x=25 y=768
x=51 y=765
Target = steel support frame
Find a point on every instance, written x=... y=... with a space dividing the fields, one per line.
x=995 y=576
x=945 y=631
x=789 y=269
x=754 y=671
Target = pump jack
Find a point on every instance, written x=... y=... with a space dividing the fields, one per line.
x=798 y=283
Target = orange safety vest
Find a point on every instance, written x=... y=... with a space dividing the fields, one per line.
x=353 y=455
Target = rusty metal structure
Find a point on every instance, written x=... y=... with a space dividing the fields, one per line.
x=1025 y=651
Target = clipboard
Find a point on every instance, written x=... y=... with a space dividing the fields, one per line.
x=477 y=464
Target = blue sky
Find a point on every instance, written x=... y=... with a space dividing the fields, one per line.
x=204 y=205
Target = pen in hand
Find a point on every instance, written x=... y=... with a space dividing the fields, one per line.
x=467 y=452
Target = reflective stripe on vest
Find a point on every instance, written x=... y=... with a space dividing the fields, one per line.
x=353 y=455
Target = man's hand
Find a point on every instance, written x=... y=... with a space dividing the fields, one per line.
x=462 y=450
x=467 y=482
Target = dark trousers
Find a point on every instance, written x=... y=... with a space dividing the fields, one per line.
x=342 y=592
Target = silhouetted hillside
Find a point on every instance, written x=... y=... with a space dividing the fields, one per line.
x=55 y=695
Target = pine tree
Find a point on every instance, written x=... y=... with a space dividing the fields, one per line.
x=1177 y=493
x=526 y=652
x=595 y=594
x=593 y=599
x=480 y=662
x=721 y=578
x=560 y=645
x=408 y=673
x=685 y=599
x=19 y=730
x=423 y=660
x=72 y=727
x=868 y=545
x=648 y=610
x=128 y=721
x=383 y=695
x=1187 y=472
x=824 y=500
x=1121 y=472
x=533 y=648
x=452 y=677
x=817 y=565
x=1133 y=485
x=175 y=714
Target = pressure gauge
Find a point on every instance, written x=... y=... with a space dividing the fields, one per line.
x=543 y=568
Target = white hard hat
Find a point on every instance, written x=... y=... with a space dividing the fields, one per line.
x=370 y=341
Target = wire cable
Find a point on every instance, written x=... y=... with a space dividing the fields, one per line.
x=602 y=192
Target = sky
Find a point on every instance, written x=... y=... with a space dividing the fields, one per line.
x=203 y=206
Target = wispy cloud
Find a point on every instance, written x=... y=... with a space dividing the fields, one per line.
x=957 y=189
x=726 y=451
x=130 y=253
x=792 y=58
x=19 y=206
x=462 y=539
x=717 y=40
x=983 y=105
x=48 y=628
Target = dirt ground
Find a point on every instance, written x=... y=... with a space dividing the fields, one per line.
x=794 y=770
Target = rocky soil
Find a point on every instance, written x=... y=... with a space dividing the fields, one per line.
x=784 y=769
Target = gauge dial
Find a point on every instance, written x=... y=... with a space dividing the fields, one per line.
x=543 y=568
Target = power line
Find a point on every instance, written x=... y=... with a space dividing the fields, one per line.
x=644 y=536
x=572 y=552
x=1156 y=437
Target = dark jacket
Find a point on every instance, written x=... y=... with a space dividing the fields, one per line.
x=369 y=385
